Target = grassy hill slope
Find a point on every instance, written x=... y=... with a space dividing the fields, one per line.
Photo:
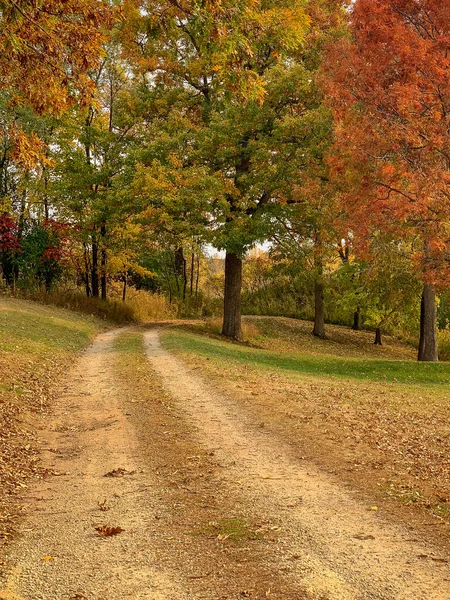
x=36 y=344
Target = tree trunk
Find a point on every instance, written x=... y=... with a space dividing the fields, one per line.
x=198 y=275
x=356 y=320
x=179 y=261
x=103 y=280
x=232 y=299
x=422 y=330
x=377 y=341
x=185 y=280
x=103 y=262
x=94 y=270
x=46 y=212
x=319 y=310
x=428 y=344
x=124 y=289
x=86 y=272
x=45 y=178
x=192 y=274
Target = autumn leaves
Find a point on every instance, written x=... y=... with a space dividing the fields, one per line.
x=228 y=123
x=390 y=91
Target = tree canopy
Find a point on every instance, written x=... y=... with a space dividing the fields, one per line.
x=136 y=134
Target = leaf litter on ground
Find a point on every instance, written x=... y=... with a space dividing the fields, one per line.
x=108 y=531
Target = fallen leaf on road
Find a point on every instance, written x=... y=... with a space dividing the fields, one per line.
x=118 y=473
x=106 y=530
x=103 y=506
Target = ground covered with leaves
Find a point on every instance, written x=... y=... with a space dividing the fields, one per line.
x=37 y=343
x=372 y=416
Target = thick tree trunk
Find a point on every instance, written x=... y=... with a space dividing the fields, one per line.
x=356 y=320
x=319 y=310
x=377 y=341
x=428 y=344
x=232 y=300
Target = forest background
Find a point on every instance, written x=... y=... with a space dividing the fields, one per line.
x=308 y=141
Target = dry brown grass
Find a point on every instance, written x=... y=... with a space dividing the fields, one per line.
x=150 y=307
x=141 y=306
x=284 y=335
x=249 y=330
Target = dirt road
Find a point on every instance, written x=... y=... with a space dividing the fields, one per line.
x=211 y=505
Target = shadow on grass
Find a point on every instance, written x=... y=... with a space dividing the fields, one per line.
x=320 y=365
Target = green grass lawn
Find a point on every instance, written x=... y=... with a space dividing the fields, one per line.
x=31 y=328
x=320 y=365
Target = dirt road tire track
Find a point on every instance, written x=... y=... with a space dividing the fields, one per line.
x=171 y=506
x=346 y=551
x=60 y=555
x=204 y=458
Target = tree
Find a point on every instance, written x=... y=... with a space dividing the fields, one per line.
x=390 y=89
x=9 y=247
x=44 y=249
x=237 y=80
x=90 y=152
x=383 y=284
x=47 y=49
x=307 y=234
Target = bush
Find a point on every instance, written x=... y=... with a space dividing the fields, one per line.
x=444 y=344
x=146 y=306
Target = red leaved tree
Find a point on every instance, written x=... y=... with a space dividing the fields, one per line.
x=9 y=247
x=389 y=86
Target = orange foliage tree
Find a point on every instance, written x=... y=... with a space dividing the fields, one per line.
x=47 y=48
x=389 y=86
